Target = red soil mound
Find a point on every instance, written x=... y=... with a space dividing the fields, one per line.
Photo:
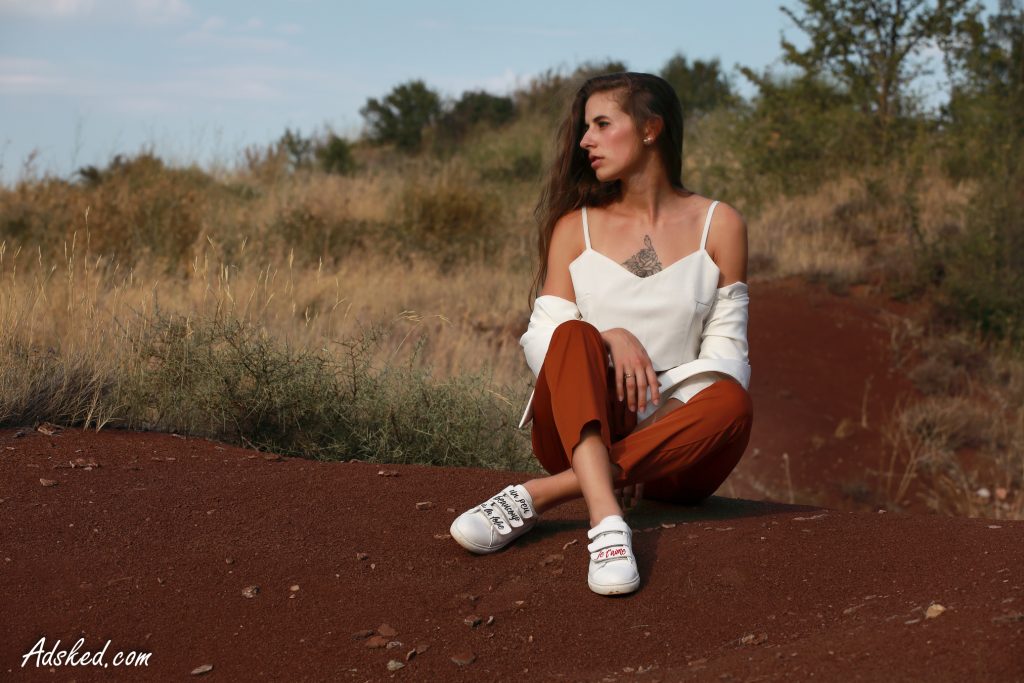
x=152 y=548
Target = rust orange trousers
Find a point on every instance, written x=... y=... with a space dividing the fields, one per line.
x=683 y=457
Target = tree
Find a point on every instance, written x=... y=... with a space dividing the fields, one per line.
x=985 y=113
x=701 y=86
x=401 y=116
x=867 y=45
x=335 y=155
x=474 y=107
x=298 y=149
x=982 y=269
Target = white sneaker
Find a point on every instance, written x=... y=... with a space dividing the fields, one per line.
x=495 y=523
x=613 y=567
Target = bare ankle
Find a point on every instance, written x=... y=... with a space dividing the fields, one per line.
x=540 y=503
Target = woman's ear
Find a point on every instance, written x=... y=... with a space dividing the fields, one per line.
x=653 y=128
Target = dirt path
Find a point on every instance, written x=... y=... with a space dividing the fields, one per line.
x=822 y=385
x=153 y=548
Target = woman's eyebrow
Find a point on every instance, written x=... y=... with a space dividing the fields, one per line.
x=599 y=116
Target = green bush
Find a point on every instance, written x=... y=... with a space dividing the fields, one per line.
x=400 y=117
x=982 y=272
x=227 y=379
x=474 y=109
x=335 y=155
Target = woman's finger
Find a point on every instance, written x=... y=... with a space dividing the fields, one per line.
x=641 y=389
x=631 y=388
x=619 y=381
x=652 y=380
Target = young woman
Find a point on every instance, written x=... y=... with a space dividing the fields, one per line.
x=638 y=338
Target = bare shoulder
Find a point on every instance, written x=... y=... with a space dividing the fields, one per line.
x=567 y=234
x=566 y=244
x=727 y=243
x=727 y=221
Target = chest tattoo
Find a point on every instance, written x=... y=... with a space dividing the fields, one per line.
x=644 y=262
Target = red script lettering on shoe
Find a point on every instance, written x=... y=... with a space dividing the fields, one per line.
x=614 y=552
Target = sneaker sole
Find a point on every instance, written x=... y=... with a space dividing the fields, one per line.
x=615 y=588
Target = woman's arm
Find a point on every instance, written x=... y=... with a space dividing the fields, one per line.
x=556 y=301
x=566 y=245
x=727 y=244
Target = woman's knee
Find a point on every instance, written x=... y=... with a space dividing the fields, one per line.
x=575 y=326
x=572 y=328
x=734 y=403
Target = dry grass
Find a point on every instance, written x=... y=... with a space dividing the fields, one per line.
x=960 y=449
x=848 y=232
x=312 y=261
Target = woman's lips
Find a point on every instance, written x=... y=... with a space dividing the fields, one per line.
x=596 y=161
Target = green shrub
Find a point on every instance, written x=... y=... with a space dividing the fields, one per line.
x=474 y=109
x=335 y=155
x=400 y=117
x=982 y=274
x=227 y=379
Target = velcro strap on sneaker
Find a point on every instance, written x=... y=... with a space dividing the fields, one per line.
x=517 y=494
x=611 y=545
x=496 y=516
x=612 y=552
x=503 y=503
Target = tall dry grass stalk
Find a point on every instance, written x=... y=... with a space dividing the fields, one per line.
x=960 y=449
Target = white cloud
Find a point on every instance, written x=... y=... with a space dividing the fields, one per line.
x=289 y=29
x=538 y=31
x=212 y=24
x=253 y=24
x=160 y=11
x=136 y=11
x=215 y=39
x=21 y=75
x=47 y=9
x=182 y=92
x=498 y=84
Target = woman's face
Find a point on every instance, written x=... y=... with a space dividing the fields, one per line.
x=609 y=137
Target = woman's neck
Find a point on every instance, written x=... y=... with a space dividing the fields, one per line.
x=646 y=195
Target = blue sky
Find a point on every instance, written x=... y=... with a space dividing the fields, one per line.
x=81 y=80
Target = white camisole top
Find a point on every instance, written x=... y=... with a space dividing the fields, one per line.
x=665 y=311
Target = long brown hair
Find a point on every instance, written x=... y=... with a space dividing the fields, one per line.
x=571 y=182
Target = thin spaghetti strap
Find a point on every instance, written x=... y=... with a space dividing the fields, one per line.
x=707 y=224
x=586 y=228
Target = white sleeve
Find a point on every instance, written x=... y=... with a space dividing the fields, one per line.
x=723 y=342
x=549 y=312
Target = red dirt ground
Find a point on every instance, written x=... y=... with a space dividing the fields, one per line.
x=152 y=550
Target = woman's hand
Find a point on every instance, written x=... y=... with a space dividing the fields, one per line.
x=630 y=495
x=634 y=372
